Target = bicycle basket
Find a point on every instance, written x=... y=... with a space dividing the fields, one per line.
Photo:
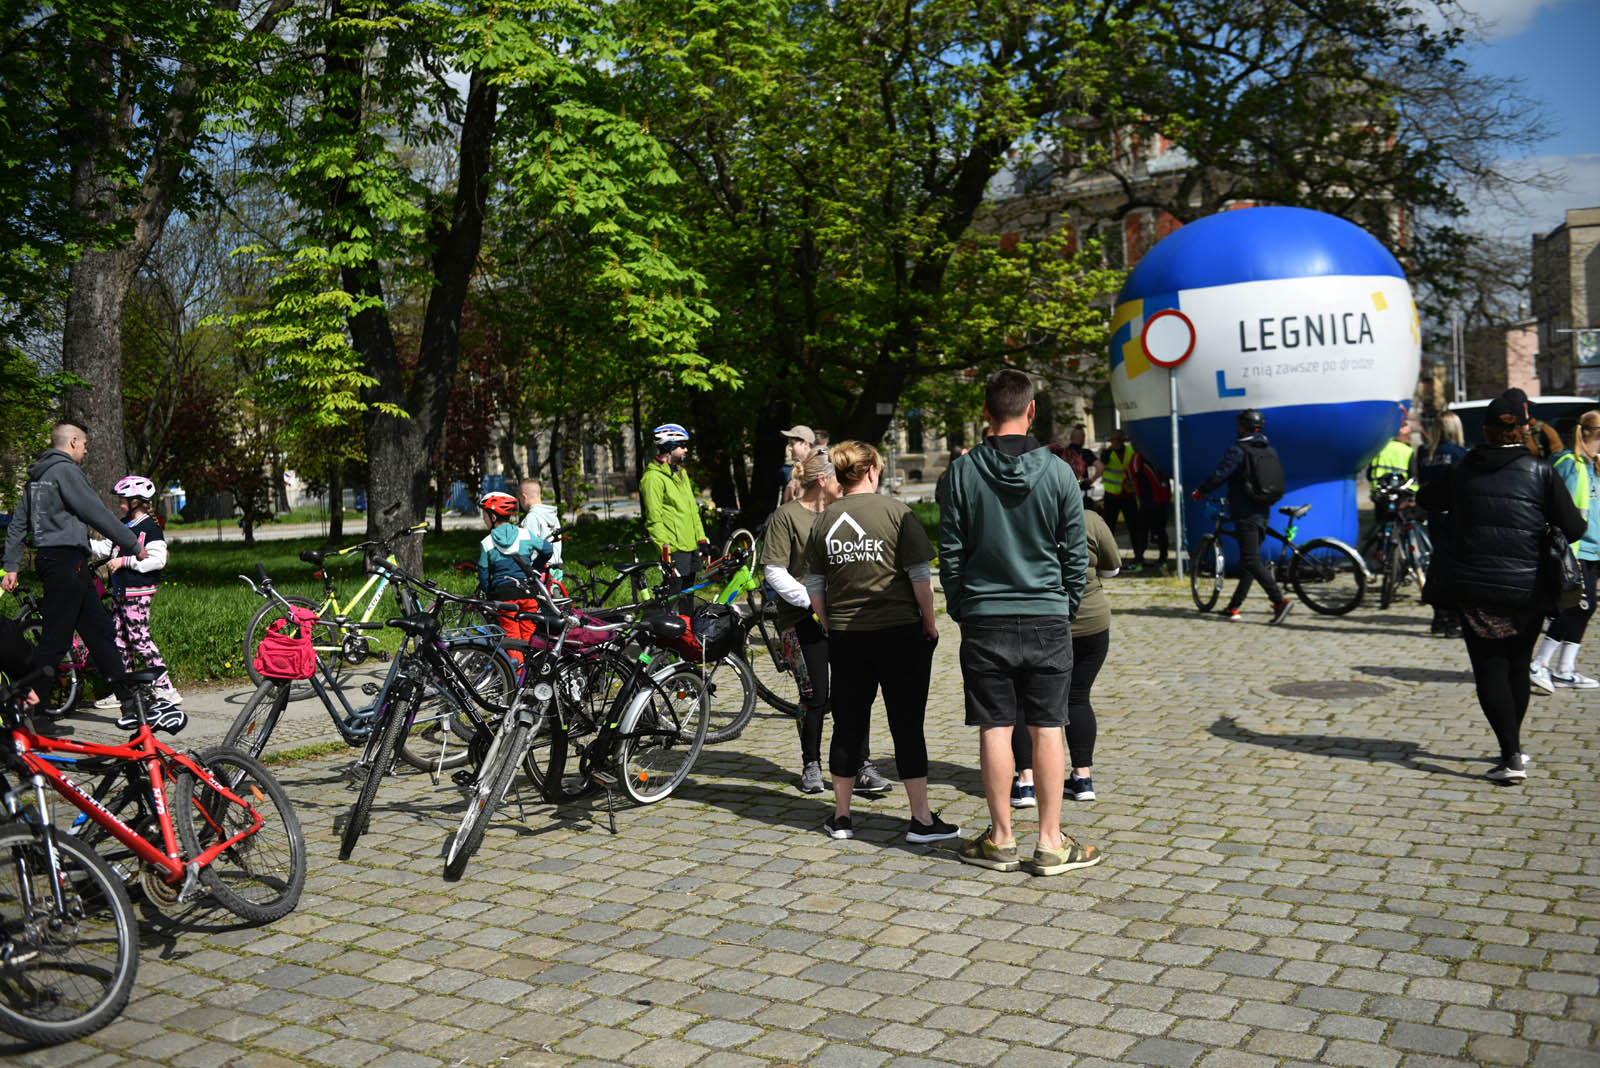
x=712 y=633
x=285 y=651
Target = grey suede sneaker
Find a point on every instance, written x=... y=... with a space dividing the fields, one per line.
x=811 y=778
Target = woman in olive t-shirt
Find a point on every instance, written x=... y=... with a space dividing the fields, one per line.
x=872 y=590
x=1091 y=640
x=805 y=647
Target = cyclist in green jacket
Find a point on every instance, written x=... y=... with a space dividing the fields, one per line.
x=671 y=516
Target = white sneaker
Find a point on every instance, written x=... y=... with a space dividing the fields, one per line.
x=1575 y=681
x=110 y=700
x=1539 y=675
x=169 y=693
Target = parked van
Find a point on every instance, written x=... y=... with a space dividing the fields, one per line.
x=1560 y=412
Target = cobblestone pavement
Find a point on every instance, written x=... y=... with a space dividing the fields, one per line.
x=1317 y=876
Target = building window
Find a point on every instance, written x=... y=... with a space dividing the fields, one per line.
x=914 y=430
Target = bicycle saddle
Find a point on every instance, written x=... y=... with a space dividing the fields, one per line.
x=1295 y=512
x=664 y=626
x=629 y=569
x=314 y=557
x=145 y=677
x=421 y=625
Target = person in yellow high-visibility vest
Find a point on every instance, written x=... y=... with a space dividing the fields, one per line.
x=1122 y=494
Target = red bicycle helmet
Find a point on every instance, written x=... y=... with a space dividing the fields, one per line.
x=501 y=504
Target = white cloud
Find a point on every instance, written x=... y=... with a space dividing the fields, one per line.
x=1542 y=211
x=1497 y=19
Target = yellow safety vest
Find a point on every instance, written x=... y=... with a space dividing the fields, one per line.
x=1394 y=456
x=1116 y=471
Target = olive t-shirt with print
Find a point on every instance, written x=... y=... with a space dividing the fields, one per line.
x=785 y=546
x=863 y=544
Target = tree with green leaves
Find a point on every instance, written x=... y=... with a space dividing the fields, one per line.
x=108 y=101
x=397 y=132
x=842 y=159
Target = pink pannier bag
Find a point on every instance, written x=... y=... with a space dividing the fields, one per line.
x=281 y=655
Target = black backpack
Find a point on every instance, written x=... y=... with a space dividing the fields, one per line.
x=1262 y=471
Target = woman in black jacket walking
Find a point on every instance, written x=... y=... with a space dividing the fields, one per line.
x=1501 y=500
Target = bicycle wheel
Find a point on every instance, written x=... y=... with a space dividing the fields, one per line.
x=325 y=637
x=494 y=781
x=776 y=682
x=67 y=687
x=663 y=731
x=731 y=694
x=1394 y=562
x=253 y=725
x=63 y=974
x=397 y=717
x=1327 y=576
x=259 y=878
x=1206 y=573
x=742 y=540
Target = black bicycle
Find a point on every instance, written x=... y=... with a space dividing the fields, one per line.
x=1325 y=573
x=1397 y=549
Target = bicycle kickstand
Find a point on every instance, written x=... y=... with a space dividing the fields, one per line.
x=610 y=784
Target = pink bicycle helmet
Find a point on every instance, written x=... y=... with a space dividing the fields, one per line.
x=135 y=486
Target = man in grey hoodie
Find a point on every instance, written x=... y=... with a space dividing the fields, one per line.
x=56 y=510
x=1013 y=557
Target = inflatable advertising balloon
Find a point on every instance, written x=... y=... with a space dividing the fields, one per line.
x=1298 y=313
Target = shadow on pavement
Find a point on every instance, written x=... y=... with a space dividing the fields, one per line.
x=1416 y=674
x=1300 y=620
x=1367 y=750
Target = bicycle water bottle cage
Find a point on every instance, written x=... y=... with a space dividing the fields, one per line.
x=420 y=625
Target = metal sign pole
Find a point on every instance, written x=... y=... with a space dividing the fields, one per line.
x=1177 y=476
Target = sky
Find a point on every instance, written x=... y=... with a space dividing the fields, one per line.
x=1554 y=47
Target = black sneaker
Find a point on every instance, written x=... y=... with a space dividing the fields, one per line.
x=838 y=827
x=1280 y=611
x=129 y=719
x=167 y=717
x=870 y=782
x=1509 y=770
x=936 y=830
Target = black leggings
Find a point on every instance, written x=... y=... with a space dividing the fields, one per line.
x=1570 y=625
x=71 y=604
x=900 y=660
x=1247 y=531
x=1088 y=655
x=814 y=705
x=1500 y=672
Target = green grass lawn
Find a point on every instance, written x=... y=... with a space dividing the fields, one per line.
x=201 y=610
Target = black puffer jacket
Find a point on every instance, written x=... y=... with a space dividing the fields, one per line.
x=1500 y=500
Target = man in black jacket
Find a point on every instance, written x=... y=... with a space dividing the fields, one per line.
x=1249 y=515
x=57 y=508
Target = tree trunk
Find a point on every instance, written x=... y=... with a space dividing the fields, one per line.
x=336 y=504
x=91 y=348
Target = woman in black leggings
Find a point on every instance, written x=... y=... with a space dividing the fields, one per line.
x=1501 y=499
x=872 y=590
x=1091 y=640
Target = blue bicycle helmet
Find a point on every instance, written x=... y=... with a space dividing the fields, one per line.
x=670 y=434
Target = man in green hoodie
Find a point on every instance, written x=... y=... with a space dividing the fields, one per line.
x=1013 y=555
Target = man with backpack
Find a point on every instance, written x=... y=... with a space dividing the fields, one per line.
x=1254 y=475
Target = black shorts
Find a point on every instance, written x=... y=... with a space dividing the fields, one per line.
x=1016 y=663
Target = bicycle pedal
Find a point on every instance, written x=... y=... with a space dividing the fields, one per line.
x=370 y=689
x=605 y=778
x=466 y=778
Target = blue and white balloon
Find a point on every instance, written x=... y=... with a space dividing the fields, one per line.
x=1295 y=312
